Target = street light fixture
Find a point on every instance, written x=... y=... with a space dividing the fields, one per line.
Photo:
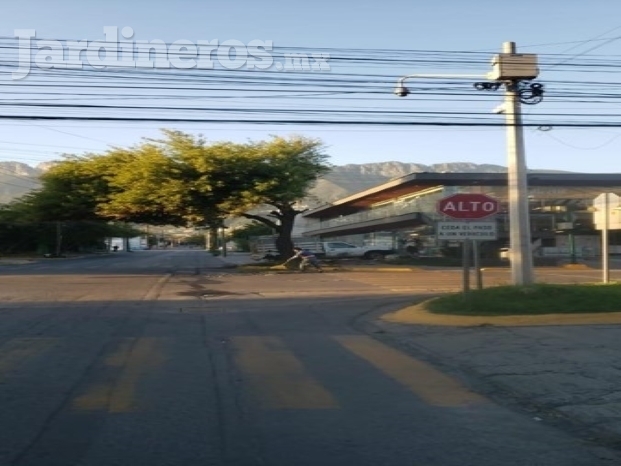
x=401 y=90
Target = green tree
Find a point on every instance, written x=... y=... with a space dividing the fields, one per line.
x=282 y=171
x=76 y=187
x=63 y=214
x=183 y=179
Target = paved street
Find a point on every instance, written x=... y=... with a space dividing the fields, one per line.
x=169 y=358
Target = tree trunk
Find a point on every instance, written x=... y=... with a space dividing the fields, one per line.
x=213 y=240
x=286 y=216
x=284 y=243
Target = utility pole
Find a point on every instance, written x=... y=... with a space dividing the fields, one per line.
x=519 y=219
x=511 y=70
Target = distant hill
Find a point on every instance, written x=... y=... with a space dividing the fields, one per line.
x=17 y=179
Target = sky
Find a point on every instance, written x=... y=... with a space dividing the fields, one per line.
x=571 y=29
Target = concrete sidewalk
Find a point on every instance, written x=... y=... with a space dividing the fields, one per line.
x=561 y=368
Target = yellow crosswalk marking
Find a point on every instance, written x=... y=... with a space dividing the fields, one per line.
x=426 y=382
x=16 y=351
x=277 y=377
x=144 y=355
x=132 y=358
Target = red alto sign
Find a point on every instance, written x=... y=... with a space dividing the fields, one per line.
x=468 y=206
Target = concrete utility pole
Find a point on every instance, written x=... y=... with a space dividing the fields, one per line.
x=509 y=69
x=519 y=219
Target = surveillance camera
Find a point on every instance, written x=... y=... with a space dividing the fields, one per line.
x=402 y=91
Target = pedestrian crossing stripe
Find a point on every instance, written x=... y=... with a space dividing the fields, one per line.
x=273 y=373
x=277 y=376
x=429 y=384
x=132 y=358
x=18 y=350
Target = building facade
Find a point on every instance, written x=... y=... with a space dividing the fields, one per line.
x=403 y=212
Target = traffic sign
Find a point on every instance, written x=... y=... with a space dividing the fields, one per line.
x=607 y=211
x=459 y=231
x=468 y=206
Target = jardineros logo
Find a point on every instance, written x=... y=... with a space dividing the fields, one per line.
x=119 y=50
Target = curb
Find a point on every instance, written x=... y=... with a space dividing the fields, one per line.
x=419 y=315
x=577 y=267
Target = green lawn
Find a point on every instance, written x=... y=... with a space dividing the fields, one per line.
x=531 y=300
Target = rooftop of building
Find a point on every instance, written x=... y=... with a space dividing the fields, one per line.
x=415 y=182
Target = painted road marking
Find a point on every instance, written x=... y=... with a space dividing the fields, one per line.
x=277 y=377
x=97 y=396
x=14 y=352
x=429 y=384
x=132 y=358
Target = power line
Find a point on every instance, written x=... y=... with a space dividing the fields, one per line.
x=365 y=91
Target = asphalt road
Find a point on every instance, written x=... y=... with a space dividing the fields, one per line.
x=166 y=358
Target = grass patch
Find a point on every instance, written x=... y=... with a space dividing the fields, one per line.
x=535 y=299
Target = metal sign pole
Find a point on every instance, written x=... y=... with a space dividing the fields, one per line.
x=466 y=265
x=605 y=254
x=477 y=264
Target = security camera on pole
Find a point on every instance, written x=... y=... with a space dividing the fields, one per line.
x=512 y=70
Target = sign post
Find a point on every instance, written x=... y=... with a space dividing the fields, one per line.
x=468 y=209
x=477 y=265
x=466 y=264
x=605 y=208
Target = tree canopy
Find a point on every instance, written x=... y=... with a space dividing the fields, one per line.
x=185 y=180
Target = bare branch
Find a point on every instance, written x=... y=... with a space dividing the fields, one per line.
x=263 y=220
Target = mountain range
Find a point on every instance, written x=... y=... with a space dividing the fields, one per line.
x=17 y=179
x=344 y=180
